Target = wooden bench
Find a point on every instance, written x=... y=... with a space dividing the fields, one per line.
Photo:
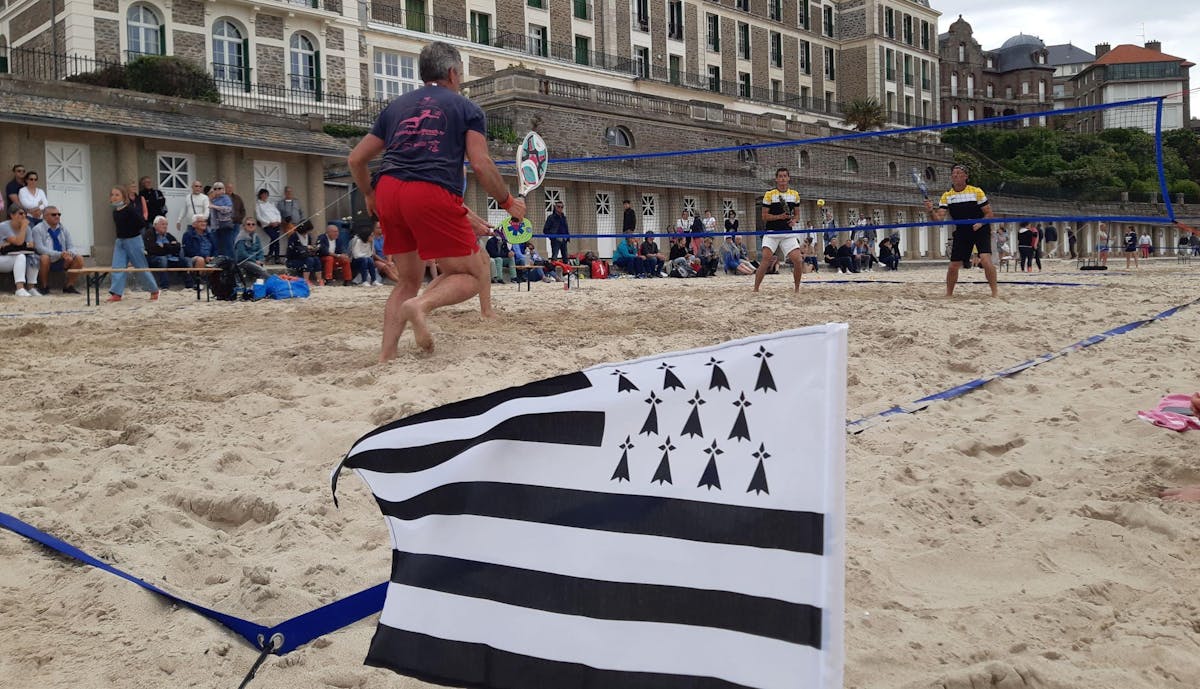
x=571 y=271
x=94 y=277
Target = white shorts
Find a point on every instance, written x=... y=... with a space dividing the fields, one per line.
x=780 y=244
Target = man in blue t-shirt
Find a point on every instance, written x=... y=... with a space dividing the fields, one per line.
x=424 y=136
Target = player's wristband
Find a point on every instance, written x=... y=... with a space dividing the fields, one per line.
x=507 y=202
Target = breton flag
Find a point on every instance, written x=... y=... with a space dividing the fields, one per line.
x=674 y=521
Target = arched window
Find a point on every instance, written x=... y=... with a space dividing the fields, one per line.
x=619 y=136
x=805 y=160
x=970 y=114
x=991 y=90
x=229 y=52
x=954 y=83
x=304 y=64
x=962 y=52
x=970 y=86
x=891 y=169
x=930 y=174
x=852 y=165
x=146 y=35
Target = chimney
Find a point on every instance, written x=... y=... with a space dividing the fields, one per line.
x=1156 y=46
x=1101 y=49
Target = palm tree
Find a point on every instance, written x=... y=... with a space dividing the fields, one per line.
x=864 y=114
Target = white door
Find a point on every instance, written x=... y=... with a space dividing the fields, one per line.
x=68 y=184
x=269 y=175
x=175 y=174
x=605 y=223
x=649 y=212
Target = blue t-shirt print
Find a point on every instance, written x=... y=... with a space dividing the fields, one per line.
x=424 y=134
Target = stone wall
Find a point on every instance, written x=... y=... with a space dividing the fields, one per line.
x=190 y=12
x=760 y=55
x=191 y=47
x=268 y=26
x=108 y=39
x=480 y=67
x=335 y=38
x=335 y=75
x=24 y=23
x=853 y=61
x=270 y=65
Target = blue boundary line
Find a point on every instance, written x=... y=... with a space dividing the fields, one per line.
x=862 y=424
x=300 y=630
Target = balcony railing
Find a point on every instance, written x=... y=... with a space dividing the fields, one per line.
x=299 y=95
x=566 y=53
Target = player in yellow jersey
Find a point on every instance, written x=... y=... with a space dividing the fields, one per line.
x=965 y=202
x=780 y=212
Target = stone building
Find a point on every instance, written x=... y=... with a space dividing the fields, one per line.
x=1067 y=61
x=1128 y=72
x=1014 y=79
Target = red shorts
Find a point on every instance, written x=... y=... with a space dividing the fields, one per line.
x=423 y=217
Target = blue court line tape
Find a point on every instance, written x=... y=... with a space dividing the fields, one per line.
x=296 y=632
x=860 y=425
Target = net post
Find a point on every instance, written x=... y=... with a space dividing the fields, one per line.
x=1158 y=152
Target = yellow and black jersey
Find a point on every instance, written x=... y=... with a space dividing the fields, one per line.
x=777 y=203
x=966 y=204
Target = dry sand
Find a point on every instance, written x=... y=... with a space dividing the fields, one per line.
x=1011 y=538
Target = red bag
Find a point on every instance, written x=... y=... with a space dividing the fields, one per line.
x=599 y=270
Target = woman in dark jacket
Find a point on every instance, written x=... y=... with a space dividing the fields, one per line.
x=129 y=248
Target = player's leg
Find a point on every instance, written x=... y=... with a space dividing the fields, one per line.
x=797 y=262
x=765 y=258
x=459 y=281
x=408 y=269
x=961 y=244
x=485 y=285
x=989 y=270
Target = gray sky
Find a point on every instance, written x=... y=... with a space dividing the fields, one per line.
x=1083 y=23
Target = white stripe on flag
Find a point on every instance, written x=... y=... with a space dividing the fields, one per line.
x=607 y=556
x=605 y=644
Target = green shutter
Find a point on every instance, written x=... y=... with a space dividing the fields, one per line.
x=317 y=71
x=3 y=64
x=246 y=64
x=162 y=40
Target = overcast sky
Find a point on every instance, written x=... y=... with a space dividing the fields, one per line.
x=1081 y=22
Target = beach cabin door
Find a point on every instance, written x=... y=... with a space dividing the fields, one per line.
x=269 y=175
x=68 y=184
x=175 y=174
x=605 y=223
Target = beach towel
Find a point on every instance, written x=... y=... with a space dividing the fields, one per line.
x=1174 y=412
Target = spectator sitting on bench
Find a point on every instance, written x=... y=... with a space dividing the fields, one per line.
x=361 y=253
x=383 y=265
x=56 y=250
x=831 y=249
x=333 y=251
x=626 y=258
x=526 y=255
x=651 y=256
x=887 y=256
x=500 y=257
x=863 y=256
x=709 y=261
x=302 y=254
x=248 y=251
x=163 y=250
x=14 y=237
x=846 y=262
x=733 y=258
x=199 y=246
x=808 y=253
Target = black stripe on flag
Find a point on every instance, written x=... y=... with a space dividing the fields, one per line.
x=583 y=428
x=463 y=664
x=801 y=532
x=795 y=623
x=462 y=409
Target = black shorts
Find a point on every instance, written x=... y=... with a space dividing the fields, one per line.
x=966 y=239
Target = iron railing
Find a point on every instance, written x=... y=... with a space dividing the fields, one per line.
x=233 y=84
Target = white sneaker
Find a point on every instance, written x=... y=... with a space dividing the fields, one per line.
x=377 y=283
x=34 y=291
x=23 y=293
x=363 y=284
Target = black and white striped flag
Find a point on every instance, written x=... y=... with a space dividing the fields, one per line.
x=675 y=521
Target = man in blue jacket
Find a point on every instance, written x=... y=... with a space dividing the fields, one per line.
x=626 y=258
x=556 y=228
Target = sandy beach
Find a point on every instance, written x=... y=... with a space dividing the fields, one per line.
x=1011 y=538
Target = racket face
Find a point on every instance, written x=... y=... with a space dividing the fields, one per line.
x=518 y=234
x=532 y=161
x=919 y=182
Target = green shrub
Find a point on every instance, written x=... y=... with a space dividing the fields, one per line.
x=503 y=133
x=171 y=76
x=345 y=131
x=112 y=77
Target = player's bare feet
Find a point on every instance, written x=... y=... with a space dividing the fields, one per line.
x=415 y=315
x=490 y=314
x=1184 y=494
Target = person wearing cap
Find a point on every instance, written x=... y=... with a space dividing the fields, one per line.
x=418 y=195
x=56 y=251
x=966 y=202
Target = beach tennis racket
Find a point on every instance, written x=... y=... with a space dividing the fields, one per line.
x=532 y=161
x=517 y=231
x=920 y=183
